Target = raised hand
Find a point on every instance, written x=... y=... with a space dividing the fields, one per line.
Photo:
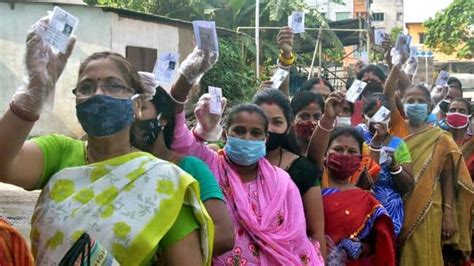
x=197 y=64
x=387 y=45
x=208 y=126
x=380 y=133
x=43 y=69
x=334 y=104
x=286 y=41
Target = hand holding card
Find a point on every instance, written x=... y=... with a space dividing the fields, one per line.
x=216 y=100
x=206 y=35
x=61 y=27
x=355 y=90
x=278 y=78
x=165 y=67
x=382 y=115
x=296 y=22
x=442 y=79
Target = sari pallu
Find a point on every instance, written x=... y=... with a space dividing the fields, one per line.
x=127 y=204
x=420 y=238
x=356 y=215
x=278 y=233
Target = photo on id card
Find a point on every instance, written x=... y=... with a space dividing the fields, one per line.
x=60 y=28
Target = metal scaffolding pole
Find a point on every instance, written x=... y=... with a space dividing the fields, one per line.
x=257 y=37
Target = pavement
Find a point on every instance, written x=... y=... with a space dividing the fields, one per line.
x=17 y=204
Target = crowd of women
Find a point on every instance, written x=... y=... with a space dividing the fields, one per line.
x=309 y=181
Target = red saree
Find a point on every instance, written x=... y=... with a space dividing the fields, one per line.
x=356 y=214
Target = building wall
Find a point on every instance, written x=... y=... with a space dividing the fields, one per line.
x=414 y=29
x=390 y=8
x=360 y=8
x=331 y=9
x=97 y=31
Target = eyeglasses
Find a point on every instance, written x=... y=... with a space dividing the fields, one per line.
x=114 y=89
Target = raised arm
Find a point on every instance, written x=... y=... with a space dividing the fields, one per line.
x=287 y=57
x=43 y=68
x=191 y=71
x=390 y=88
x=320 y=139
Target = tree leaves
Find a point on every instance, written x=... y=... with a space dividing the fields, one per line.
x=452 y=29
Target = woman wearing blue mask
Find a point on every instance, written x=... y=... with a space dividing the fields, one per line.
x=264 y=203
x=437 y=213
x=395 y=179
x=99 y=197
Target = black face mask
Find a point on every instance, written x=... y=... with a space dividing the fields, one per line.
x=144 y=133
x=276 y=140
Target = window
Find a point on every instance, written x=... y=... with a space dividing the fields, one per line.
x=378 y=16
x=342 y=15
x=421 y=36
x=142 y=59
x=399 y=16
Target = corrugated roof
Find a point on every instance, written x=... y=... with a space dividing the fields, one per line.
x=59 y=2
x=157 y=18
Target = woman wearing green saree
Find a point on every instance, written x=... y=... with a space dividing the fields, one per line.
x=130 y=203
x=437 y=213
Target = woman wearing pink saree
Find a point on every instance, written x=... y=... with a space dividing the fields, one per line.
x=265 y=205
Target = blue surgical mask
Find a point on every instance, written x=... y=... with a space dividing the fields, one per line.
x=417 y=113
x=245 y=152
x=103 y=115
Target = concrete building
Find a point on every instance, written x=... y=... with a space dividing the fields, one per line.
x=333 y=11
x=386 y=14
x=361 y=8
x=140 y=37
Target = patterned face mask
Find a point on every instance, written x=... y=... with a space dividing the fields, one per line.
x=102 y=115
x=304 y=130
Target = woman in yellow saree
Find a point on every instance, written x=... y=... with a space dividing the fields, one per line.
x=127 y=204
x=437 y=213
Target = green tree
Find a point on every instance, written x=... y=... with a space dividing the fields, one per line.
x=394 y=33
x=452 y=29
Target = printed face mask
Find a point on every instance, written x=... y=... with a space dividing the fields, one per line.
x=343 y=166
x=244 y=152
x=102 y=115
x=304 y=130
x=145 y=132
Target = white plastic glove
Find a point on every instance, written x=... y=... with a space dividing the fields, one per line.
x=438 y=93
x=208 y=126
x=149 y=84
x=43 y=69
x=411 y=66
x=197 y=64
x=399 y=57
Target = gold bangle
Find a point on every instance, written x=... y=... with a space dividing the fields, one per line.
x=287 y=61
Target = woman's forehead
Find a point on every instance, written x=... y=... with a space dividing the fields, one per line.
x=102 y=69
x=345 y=140
x=248 y=119
x=311 y=108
